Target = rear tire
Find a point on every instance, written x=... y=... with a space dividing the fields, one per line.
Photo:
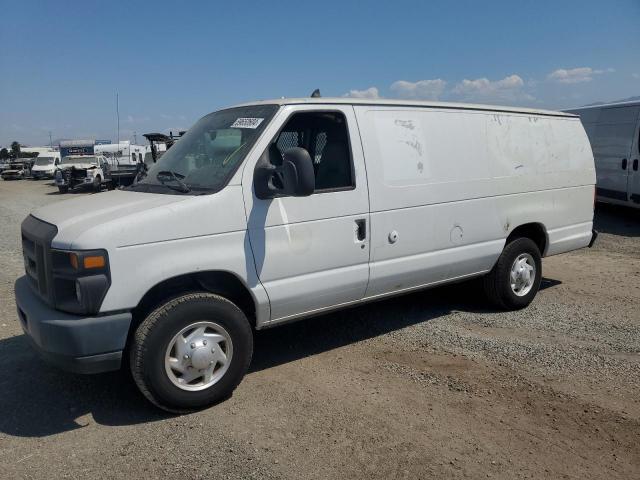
x=170 y=358
x=63 y=189
x=513 y=282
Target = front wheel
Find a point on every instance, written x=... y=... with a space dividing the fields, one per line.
x=97 y=184
x=63 y=189
x=514 y=280
x=191 y=352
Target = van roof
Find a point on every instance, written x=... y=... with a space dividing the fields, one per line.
x=405 y=103
x=627 y=103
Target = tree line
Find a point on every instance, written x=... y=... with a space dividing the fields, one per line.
x=15 y=152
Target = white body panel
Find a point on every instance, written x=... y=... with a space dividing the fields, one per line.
x=613 y=131
x=452 y=185
x=440 y=188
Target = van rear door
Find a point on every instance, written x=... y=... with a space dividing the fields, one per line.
x=613 y=137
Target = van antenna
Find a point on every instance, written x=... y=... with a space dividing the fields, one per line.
x=316 y=93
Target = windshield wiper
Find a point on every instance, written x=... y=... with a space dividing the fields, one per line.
x=161 y=176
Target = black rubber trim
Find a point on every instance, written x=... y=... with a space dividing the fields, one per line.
x=615 y=194
x=79 y=343
x=594 y=236
x=103 y=362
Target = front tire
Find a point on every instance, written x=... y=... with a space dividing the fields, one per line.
x=63 y=189
x=515 y=279
x=191 y=352
x=97 y=184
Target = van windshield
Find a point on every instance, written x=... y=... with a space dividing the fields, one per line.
x=44 y=161
x=206 y=157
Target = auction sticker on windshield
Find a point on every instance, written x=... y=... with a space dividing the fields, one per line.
x=247 y=123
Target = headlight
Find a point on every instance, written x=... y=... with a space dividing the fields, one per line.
x=81 y=279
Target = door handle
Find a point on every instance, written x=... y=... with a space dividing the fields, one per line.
x=361 y=229
x=635 y=165
x=624 y=163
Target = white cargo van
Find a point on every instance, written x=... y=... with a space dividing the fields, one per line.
x=45 y=165
x=614 y=132
x=277 y=210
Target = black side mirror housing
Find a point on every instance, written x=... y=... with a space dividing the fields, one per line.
x=295 y=178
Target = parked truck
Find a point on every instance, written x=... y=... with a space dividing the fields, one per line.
x=83 y=171
x=273 y=211
x=126 y=160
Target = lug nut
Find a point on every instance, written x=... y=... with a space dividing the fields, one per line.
x=186 y=357
x=213 y=350
x=193 y=345
x=204 y=342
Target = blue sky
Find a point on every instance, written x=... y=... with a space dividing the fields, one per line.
x=172 y=62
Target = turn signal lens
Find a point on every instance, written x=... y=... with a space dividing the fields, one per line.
x=73 y=258
x=93 y=262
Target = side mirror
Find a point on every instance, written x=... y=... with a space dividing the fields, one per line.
x=295 y=178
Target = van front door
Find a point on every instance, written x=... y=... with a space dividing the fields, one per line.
x=312 y=253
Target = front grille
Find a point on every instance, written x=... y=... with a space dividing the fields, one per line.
x=36 y=250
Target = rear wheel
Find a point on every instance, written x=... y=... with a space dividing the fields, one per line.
x=191 y=352
x=63 y=189
x=515 y=278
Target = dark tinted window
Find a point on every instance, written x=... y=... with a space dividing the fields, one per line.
x=325 y=136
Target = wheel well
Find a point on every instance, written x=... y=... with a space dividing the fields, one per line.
x=222 y=283
x=534 y=231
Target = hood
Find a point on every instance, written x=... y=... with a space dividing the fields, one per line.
x=123 y=218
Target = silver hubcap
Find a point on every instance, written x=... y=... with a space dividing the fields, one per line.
x=523 y=274
x=198 y=356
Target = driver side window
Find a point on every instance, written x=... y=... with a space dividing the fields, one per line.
x=325 y=136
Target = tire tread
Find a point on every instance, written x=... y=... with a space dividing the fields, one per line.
x=138 y=350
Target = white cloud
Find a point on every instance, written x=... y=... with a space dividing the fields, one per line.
x=508 y=89
x=485 y=87
x=371 y=92
x=422 y=89
x=576 y=75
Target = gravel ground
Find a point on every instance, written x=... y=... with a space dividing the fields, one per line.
x=428 y=385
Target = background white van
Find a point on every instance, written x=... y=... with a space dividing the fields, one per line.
x=45 y=165
x=614 y=133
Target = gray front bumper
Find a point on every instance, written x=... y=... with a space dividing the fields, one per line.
x=76 y=343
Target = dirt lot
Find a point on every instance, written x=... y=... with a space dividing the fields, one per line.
x=428 y=385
